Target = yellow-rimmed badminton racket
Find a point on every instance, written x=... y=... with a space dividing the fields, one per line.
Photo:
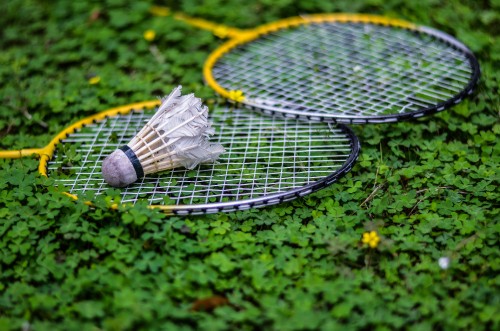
x=267 y=160
x=348 y=68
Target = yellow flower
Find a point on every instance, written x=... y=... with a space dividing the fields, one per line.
x=236 y=95
x=94 y=80
x=371 y=239
x=149 y=35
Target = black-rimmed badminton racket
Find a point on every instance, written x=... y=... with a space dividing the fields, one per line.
x=348 y=68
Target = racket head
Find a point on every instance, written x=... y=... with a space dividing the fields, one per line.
x=268 y=160
x=344 y=68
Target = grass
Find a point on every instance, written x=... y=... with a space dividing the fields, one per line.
x=428 y=188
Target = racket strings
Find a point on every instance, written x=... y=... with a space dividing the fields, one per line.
x=353 y=69
x=308 y=52
x=309 y=56
x=264 y=156
x=414 y=54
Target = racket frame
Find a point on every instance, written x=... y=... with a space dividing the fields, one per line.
x=240 y=37
x=46 y=153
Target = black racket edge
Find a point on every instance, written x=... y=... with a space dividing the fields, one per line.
x=390 y=118
x=276 y=198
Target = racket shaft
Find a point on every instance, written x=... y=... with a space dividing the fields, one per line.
x=218 y=30
x=17 y=154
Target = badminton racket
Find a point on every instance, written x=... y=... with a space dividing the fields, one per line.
x=347 y=68
x=268 y=160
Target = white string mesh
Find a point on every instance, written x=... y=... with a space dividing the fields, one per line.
x=264 y=156
x=347 y=69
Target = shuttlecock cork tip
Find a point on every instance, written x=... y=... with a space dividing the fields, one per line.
x=118 y=168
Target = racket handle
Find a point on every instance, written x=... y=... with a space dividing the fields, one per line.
x=17 y=154
x=218 y=30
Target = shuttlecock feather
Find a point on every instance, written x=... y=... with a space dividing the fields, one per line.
x=176 y=136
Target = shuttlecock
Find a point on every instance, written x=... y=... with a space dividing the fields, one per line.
x=176 y=136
